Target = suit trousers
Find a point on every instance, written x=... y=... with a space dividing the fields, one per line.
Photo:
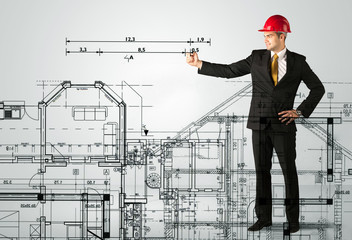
x=284 y=143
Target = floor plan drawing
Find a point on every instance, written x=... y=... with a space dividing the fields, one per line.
x=72 y=171
x=106 y=132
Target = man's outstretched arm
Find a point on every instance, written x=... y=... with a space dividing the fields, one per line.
x=232 y=70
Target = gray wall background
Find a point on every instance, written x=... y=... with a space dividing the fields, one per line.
x=33 y=47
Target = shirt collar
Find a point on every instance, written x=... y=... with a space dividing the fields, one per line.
x=280 y=54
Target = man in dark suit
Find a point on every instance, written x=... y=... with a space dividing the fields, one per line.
x=276 y=74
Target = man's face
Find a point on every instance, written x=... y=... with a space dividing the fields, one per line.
x=272 y=41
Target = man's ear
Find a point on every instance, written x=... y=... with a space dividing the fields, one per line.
x=282 y=36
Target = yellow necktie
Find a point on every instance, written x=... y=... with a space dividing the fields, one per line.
x=274 y=69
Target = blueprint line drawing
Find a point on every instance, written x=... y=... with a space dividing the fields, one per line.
x=74 y=173
x=107 y=133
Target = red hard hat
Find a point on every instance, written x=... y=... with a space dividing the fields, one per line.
x=276 y=23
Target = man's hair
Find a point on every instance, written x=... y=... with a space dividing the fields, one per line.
x=279 y=33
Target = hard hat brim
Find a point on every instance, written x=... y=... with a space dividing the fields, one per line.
x=270 y=30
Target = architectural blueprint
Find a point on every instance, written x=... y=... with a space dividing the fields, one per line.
x=106 y=132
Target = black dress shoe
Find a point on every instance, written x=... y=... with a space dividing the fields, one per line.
x=294 y=227
x=259 y=225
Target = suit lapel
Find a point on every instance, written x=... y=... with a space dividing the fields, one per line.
x=266 y=60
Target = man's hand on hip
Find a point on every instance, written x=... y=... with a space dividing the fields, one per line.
x=288 y=116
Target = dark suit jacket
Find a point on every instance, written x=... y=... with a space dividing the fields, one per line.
x=268 y=100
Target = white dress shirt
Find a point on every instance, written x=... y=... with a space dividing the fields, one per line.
x=282 y=62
